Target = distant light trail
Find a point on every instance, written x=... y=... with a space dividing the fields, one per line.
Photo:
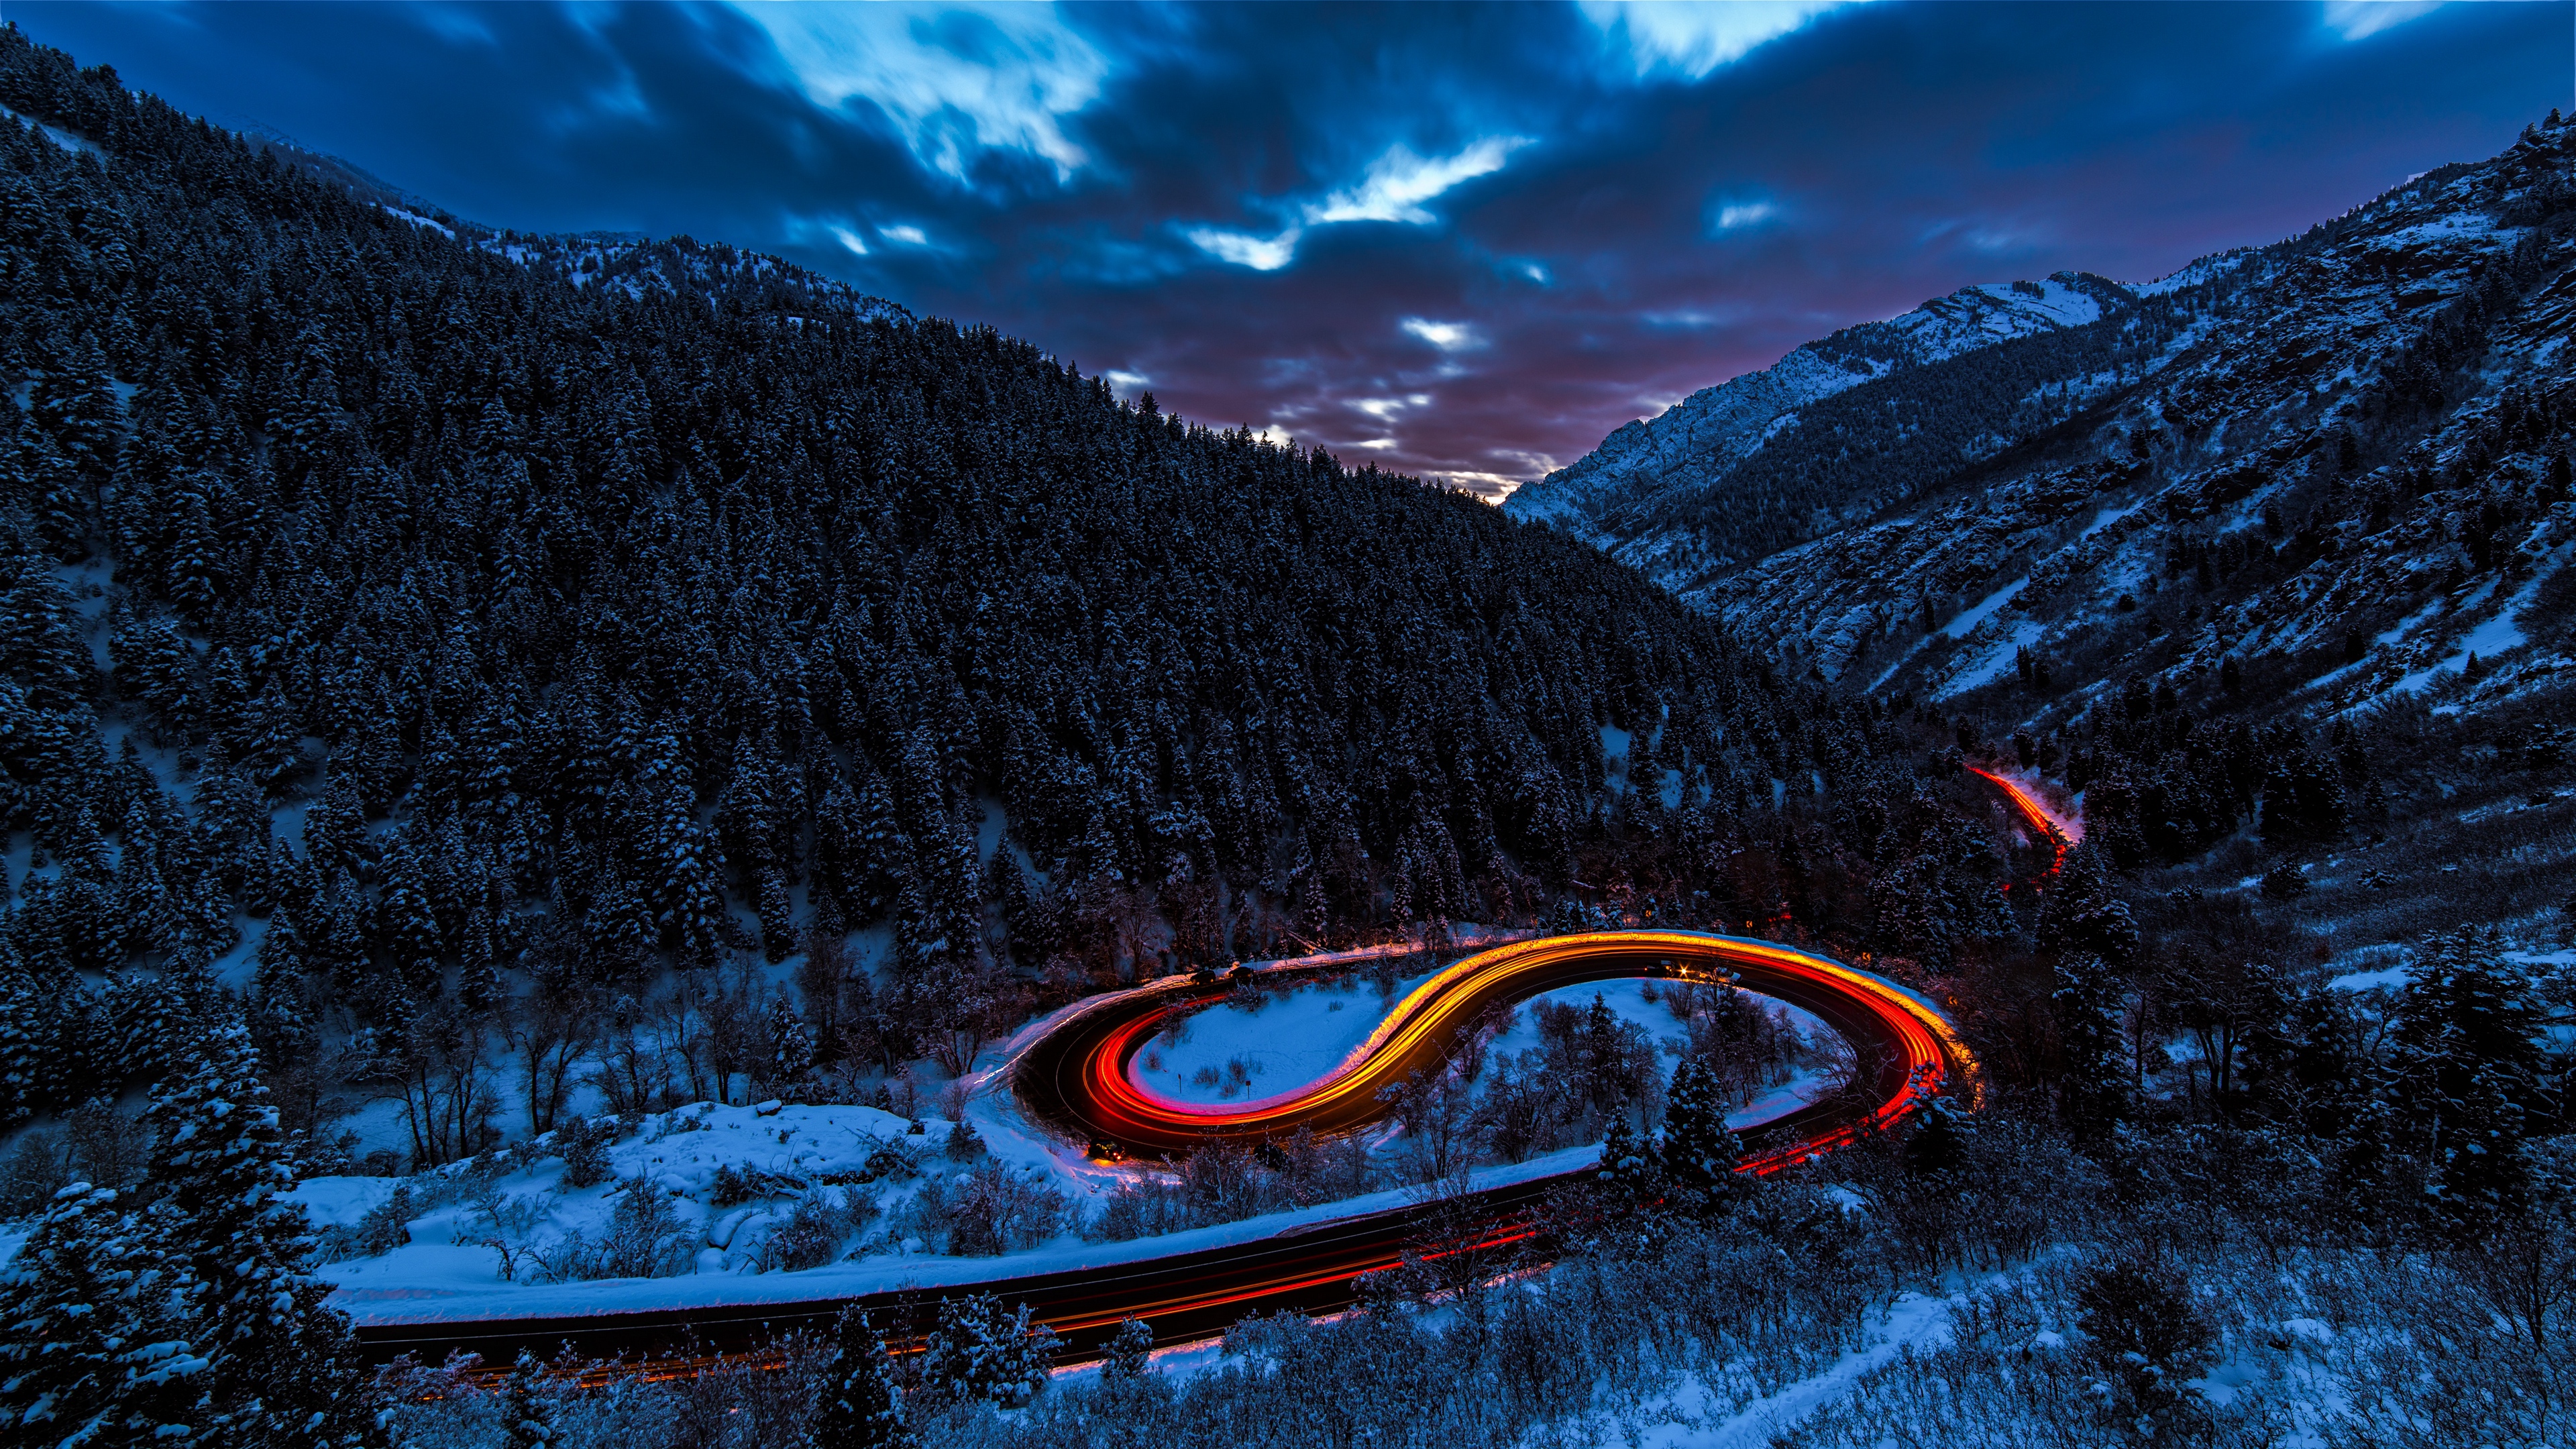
x=2059 y=834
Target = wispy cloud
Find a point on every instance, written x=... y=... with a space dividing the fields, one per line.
x=956 y=80
x=1398 y=182
x=1691 y=38
x=1447 y=336
x=1738 y=215
x=1386 y=410
x=1393 y=189
x=2361 y=19
x=1262 y=254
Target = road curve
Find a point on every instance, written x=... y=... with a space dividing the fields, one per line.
x=1078 y=1076
x=1075 y=1077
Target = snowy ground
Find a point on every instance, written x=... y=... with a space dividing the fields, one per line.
x=1275 y=1043
x=1263 y=1044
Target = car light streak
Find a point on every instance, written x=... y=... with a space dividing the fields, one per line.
x=2041 y=818
x=1094 y=1091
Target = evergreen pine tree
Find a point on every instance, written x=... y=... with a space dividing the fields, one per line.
x=527 y=1406
x=777 y=916
x=1939 y=1143
x=478 y=976
x=1129 y=1352
x=97 y=1342
x=979 y=1353
x=859 y=1403
x=2092 y=1085
x=23 y=1067
x=1627 y=1161
x=280 y=1030
x=2468 y=1055
x=859 y=1407
x=1699 y=1152
x=791 y=1047
x=283 y=1365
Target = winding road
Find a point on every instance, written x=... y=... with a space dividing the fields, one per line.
x=1075 y=1077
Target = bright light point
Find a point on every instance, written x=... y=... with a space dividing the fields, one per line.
x=1125 y=383
x=1492 y=487
x=1262 y=254
x=908 y=235
x=1735 y=216
x=1383 y=409
x=2361 y=19
x=1693 y=39
x=1399 y=182
x=850 y=239
x=1447 y=336
x=1535 y=272
x=1376 y=444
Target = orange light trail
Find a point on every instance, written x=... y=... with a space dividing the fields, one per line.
x=2034 y=811
x=1116 y=1107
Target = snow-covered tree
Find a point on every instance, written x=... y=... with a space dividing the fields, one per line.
x=281 y=1363
x=860 y=1406
x=100 y=1340
x=983 y=1353
x=1699 y=1151
x=2093 y=1075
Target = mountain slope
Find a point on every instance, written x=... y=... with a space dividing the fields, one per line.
x=1630 y=494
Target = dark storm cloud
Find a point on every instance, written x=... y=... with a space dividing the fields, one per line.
x=1464 y=242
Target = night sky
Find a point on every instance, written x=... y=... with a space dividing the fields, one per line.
x=1463 y=242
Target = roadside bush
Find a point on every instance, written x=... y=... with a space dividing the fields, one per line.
x=733 y=1186
x=812 y=1232
x=584 y=1148
x=984 y=1211
x=998 y=1211
x=644 y=1239
x=383 y=1228
x=981 y=1353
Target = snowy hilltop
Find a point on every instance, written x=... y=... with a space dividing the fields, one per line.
x=1688 y=452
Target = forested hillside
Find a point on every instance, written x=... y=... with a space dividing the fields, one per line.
x=440 y=617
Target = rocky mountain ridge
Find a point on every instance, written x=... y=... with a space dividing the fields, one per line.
x=2317 y=510
x=1609 y=497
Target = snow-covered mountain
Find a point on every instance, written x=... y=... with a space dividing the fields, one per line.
x=1612 y=495
x=2342 y=455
